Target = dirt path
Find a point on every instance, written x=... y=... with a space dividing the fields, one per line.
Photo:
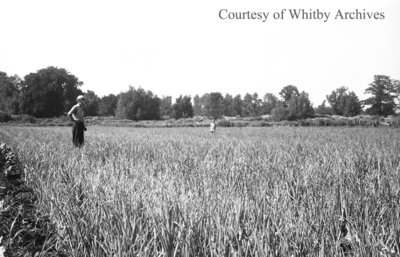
x=23 y=230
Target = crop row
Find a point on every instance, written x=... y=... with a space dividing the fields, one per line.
x=242 y=192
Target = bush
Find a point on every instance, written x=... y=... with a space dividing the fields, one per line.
x=322 y=122
x=259 y=124
x=225 y=123
x=25 y=118
x=240 y=124
x=4 y=117
x=304 y=123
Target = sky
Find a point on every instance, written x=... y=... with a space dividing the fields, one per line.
x=179 y=47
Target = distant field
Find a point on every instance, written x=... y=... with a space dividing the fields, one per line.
x=266 y=191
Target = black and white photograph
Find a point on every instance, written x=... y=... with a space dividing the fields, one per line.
x=199 y=128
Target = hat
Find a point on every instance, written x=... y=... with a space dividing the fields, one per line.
x=80 y=97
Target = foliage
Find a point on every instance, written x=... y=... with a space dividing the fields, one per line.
x=52 y=91
x=4 y=117
x=25 y=118
x=396 y=84
x=225 y=123
x=269 y=103
x=108 y=105
x=344 y=103
x=323 y=109
x=197 y=106
x=91 y=104
x=9 y=93
x=137 y=104
x=251 y=105
x=353 y=105
x=228 y=106
x=214 y=105
x=237 y=106
x=247 y=106
x=183 y=107
x=49 y=92
x=299 y=107
x=288 y=92
x=383 y=93
x=166 y=106
x=279 y=112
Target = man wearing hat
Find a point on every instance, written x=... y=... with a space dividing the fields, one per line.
x=76 y=115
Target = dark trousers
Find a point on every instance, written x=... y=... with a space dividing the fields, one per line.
x=77 y=134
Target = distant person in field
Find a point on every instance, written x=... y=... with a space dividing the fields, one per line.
x=76 y=115
x=213 y=126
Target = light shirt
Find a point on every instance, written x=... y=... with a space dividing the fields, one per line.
x=212 y=127
x=77 y=112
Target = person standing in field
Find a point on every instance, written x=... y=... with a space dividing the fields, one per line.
x=213 y=126
x=76 y=115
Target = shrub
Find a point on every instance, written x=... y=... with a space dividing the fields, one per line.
x=304 y=123
x=4 y=117
x=240 y=124
x=259 y=124
x=25 y=118
x=225 y=123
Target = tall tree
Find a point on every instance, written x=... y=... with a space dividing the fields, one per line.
x=269 y=102
x=353 y=105
x=344 y=103
x=279 y=112
x=9 y=93
x=138 y=104
x=108 y=105
x=237 y=105
x=257 y=105
x=383 y=94
x=214 y=107
x=397 y=89
x=336 y=100
x=204 y=100
x=323 y=109
x=49 y=92
x=299 y=107
x=166 y=106
x=227 y=105
x=92 y=104
x=197 y=106
x=247 y=107
x=182 y=107
x=288 y=92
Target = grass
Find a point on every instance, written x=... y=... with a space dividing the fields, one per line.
x=276 y=191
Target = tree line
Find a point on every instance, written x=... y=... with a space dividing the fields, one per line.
x=52 y=91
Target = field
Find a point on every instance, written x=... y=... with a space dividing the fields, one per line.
x=276 y=191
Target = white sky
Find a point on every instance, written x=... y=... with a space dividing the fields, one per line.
x=182 y=47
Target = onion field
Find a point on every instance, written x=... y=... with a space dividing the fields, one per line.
x=270 y=191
